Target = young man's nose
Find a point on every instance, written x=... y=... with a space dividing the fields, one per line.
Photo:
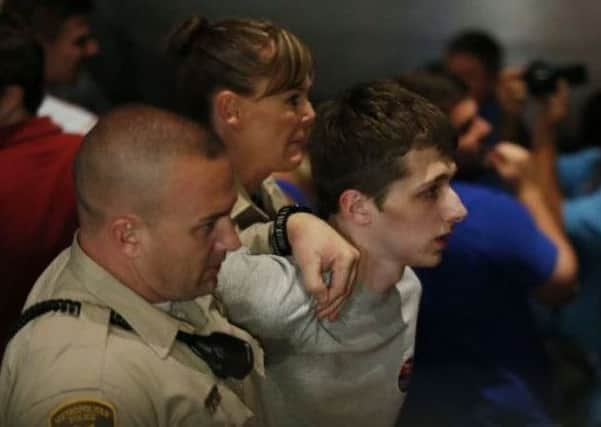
x=456 y=211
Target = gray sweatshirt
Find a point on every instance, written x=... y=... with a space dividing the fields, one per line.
x=351 y=372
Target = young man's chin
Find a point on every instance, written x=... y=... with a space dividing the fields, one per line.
x=430 y=261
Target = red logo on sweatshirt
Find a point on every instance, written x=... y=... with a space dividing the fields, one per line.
x=405 y=375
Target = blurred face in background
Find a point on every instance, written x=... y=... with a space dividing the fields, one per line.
x=66 y=52
x=471 y=128
x=471 y=70
x=471 y=132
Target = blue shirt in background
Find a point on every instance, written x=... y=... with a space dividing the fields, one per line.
x=479 y=358
x=581 y=318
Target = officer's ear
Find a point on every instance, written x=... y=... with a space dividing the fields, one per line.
x=355 y=207
x=227 y=109
x=126 y=233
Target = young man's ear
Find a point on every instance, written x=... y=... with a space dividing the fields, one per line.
x=226 y=108
x=356 y=207
x=127 y=235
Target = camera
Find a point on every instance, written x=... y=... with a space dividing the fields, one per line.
x=541 y=77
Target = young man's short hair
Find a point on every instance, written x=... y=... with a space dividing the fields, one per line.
x=46 y=17
x=481 y=45
x=21 y=61
x=360 y=138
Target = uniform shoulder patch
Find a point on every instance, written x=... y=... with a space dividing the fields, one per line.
x=83 y=413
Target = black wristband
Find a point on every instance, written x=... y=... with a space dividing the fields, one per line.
x=279 y=232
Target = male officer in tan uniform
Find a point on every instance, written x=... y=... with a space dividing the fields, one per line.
x=154 y=196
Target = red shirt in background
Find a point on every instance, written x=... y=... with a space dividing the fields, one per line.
x=37 y=207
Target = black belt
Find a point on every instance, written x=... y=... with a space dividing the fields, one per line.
x=226 y=355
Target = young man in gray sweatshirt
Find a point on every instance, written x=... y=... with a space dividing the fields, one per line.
x=382 y=161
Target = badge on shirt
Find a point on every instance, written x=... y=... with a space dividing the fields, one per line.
x=83 y=413
x=405 y=375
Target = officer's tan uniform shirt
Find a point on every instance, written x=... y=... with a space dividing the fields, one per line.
x=254 y=223
x=64 y=370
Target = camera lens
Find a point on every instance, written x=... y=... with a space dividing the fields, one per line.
x=541 y=77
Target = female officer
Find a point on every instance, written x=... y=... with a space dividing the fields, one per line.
x=249 y=80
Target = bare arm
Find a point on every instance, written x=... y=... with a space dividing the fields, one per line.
x=512 y=94
x=561 y=286
x=514 y=165
x=552 y=110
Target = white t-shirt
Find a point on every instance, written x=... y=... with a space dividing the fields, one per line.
x=70 y=117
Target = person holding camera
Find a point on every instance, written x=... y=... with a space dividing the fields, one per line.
x=477 y=59
x=502 y=92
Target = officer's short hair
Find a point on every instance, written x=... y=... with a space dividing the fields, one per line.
x=124 y=158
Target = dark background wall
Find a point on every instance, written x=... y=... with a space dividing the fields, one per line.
x=351 y=39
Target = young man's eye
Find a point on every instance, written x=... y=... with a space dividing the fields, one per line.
x=432 y=192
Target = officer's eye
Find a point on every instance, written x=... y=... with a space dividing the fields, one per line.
x=204 y=228
x=208 y=226
x=294 y=99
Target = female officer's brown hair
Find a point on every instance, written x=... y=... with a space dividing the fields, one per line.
x=234 y=54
